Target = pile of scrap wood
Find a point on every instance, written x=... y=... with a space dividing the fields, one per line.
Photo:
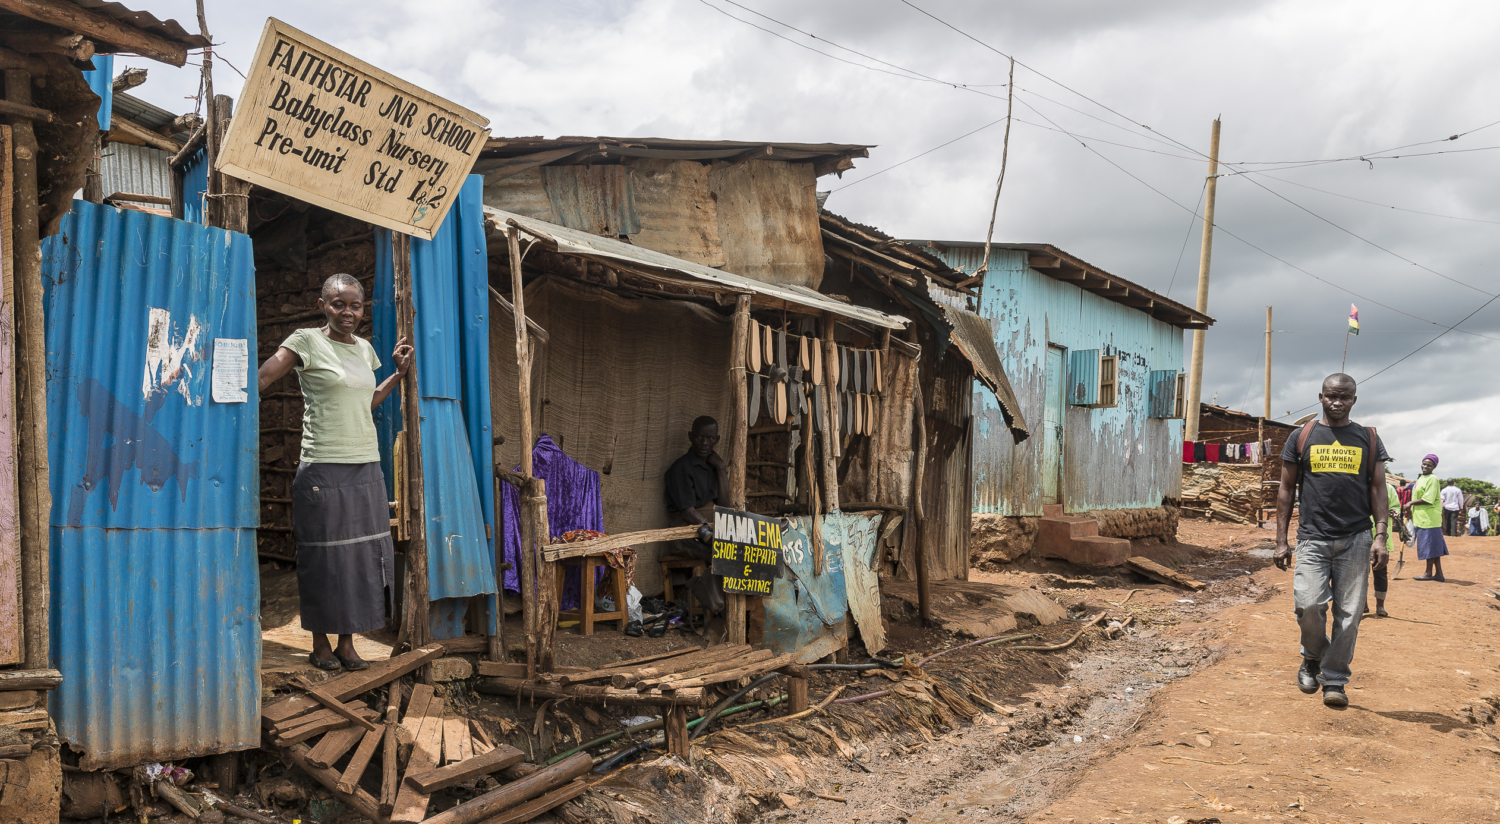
x=1221 y=492
x=420 y=748
x=676 y=680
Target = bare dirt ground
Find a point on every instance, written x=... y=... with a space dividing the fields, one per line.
x=1196 y=718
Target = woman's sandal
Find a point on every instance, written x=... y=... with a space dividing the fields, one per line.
x=352 y=664
x=326 y=664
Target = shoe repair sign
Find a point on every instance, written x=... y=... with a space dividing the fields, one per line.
x=747 y=551
x=320 y=125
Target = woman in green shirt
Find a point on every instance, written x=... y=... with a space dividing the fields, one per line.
x=340 y=516
x=1427 y=521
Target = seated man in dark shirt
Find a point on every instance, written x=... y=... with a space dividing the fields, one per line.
x=695 y=483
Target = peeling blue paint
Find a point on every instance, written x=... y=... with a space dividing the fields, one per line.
x=1114 y=458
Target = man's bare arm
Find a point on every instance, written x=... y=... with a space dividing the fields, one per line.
x=1284 y=494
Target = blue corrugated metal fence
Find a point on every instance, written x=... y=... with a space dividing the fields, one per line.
x=155 y=591
x=450 y=283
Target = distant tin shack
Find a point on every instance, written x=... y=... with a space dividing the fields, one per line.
x=1229 y=478
x=1095 y=362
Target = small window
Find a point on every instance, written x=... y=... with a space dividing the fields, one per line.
x=1168 y=393
x=1108 y=381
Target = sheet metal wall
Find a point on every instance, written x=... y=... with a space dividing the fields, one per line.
x=450 y=281
x=156 y=602
x=1116 y=458
x=947 y=513
x=139 y=170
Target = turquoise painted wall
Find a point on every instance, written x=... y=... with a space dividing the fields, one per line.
x=1115 y=458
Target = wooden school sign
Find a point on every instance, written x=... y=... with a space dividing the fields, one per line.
x=320 y=125
x=747 y=551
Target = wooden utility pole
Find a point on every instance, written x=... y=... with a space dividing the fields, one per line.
x=211 y=133
x=1195 y=373
x=1260 y=428
x=413 y=507
x=233 y=210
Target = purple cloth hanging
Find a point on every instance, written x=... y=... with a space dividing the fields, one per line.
x=574 y=501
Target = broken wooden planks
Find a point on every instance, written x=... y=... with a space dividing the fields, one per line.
x=331 y=703
x=1157 y=572
x=297 y=735
x=541 y=804
x=456 y=746
x=351 y=684
x=362 y=802
x=501 y=799
x=467 y=770
x=371 y=739
x=333 y=746
x=411 y=803
x=749 y=658
x=389 y=768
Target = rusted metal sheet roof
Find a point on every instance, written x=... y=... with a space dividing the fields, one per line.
x=155 y=488
x=967 y=256
x=145 y=21
x=667 y=148
x=583 y=244
x=101 y=21
x=975 y=340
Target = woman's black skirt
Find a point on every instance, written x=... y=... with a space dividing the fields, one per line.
x=345 y=558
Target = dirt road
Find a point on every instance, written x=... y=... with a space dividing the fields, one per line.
x=1199 y=720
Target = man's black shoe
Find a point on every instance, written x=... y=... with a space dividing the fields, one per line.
x=1307 y=676
x=634 y=629
x=1333 y=696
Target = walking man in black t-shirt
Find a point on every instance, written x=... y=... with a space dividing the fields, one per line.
x=1341 y=469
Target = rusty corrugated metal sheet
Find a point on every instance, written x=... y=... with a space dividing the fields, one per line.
x=145 y=21
x=975 y=340
x=139 y=170
x=804 y=609
x=593 y=199
x=155 y=490
x=1115 y=458
x=947 y=506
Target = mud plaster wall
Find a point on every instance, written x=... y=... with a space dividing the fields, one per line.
x=1116 y=458
x=1003 y=539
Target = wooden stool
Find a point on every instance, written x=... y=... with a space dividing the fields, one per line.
x=585 y=613
x=695 y=566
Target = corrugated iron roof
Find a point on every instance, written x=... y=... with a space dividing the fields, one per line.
x=145 y=21
x=1059 y=265
x=976 y=342
x=141 y=113
x=169 y=31
x=583 y=244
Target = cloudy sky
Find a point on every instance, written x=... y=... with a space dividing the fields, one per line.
x=1139 y=83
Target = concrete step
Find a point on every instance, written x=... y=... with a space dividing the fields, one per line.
x=1054 y=534
x=1051 y=510
x=1099 y=551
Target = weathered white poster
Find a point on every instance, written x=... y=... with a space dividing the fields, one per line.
x=231 y=371
x=327 y=128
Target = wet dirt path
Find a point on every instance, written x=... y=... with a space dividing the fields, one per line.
x=1199 y=720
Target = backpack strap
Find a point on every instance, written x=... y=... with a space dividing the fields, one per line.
x=1303 y=436
x=1370 y=454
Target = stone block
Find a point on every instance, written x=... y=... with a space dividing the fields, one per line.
x=454 y=669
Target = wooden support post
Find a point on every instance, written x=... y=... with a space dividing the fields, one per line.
x=225 y=768
x=546 y=577
x=831 y=418
x=93 y=176
x=233 y=194
x=33 y=480
x=678 y=742
x=734 y=605
x=797 y=694
x=389 y=768
x=915 y=515
x=419 y=629
x=531 y=588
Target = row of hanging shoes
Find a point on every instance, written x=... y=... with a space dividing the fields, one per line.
x=787 y=372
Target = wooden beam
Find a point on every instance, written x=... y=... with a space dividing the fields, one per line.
x=140 y=133
x=34 y=679
x=101 y=27
x=181 y=123
x=557 y=552
x=128 y=79
x=332 y=703
x=467 y=770
x=1036 y=261
x=361 y=801
x=523 y=789
x=739 y=377
x=28 y=112
x=416 y=627
x=411 y=803
x=536 y=330
x=72 y=46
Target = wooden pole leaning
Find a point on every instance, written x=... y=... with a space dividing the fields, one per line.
x=32 y=477
x=537 y=579
x=734 y=605
x=419 y=628
x=831 y=419
x=1195 y=373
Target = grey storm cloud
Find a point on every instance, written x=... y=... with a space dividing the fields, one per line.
x=1292 y=81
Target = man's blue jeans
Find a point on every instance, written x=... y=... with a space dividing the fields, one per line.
x=1335 y=572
